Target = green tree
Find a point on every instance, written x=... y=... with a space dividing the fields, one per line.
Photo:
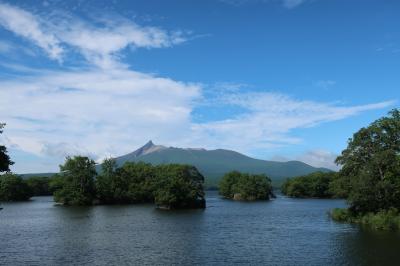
x=105 y=182
x=14 y=188
x=131 y=183
x=243 y=186
x=227 y=183
x=142 y=183
x=253 y=187
x=77 y=185
x=371 y=166
x=178 y=186
x=5 y=160
x=39 y=186
x=314 y=185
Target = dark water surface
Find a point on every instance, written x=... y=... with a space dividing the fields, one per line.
x=280 y=232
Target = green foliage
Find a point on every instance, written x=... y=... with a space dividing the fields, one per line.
x=76 y=181
x=105 y=182
x=371 y=166
x=5 y=160
x=131 y=183
x=381 y=220
x=40 y=186
x=315 y=185
x=169 y=186
x=243 y=186
x=14 y=188
x=341 y=215
x=227 y=184
x=178 y=186
x=55 y=183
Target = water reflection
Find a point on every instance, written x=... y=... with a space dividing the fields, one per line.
x=281 y=232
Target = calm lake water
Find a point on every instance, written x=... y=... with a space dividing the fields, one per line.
x=280 y=232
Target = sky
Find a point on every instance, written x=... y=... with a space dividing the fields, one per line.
x=273 y=79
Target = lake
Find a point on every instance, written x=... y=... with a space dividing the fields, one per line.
x=283 y=231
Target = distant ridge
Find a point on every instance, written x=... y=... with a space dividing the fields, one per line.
x=213 y=164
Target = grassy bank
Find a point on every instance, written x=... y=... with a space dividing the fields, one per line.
x=382 y=220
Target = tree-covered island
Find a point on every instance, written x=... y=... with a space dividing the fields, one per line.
x=247 y=187
x=171 y=186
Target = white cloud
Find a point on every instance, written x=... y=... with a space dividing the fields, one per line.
x=316 y=158
x=320 y=158
x=99 y=45
x=101 y=112
x=98 y=41
x=270 y=118
x=27 y=25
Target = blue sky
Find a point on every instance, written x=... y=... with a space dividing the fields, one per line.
x=274 y=79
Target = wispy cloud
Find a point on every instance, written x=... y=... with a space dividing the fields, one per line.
x=98 y=41
x=285 y=3
x=269 y=118
x=292 y=3
x=316 y=158
x=27 y=25
x=325 y=84
x=96 y=110
x=5 y=47
x=319 y=158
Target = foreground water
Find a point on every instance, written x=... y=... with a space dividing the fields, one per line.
x=280 y=232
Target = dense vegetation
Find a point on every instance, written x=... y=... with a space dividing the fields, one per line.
x=315 y=185
x=5 y=160
x=14 y=188
x=370 y=174
x=76 y=181
x=168 y=186
x=243 y=186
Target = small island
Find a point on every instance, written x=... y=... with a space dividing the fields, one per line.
x=246 y=187
x=170 y=186
x=315 y=185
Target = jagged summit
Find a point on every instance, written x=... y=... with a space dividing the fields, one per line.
x=147 y=148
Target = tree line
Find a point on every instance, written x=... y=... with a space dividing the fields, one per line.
x=315 y=185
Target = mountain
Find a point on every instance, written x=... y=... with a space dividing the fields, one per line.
x=213 y=164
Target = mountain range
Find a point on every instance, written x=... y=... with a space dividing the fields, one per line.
x=213 y=164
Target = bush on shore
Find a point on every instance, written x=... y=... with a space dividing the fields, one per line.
x=381 y=220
